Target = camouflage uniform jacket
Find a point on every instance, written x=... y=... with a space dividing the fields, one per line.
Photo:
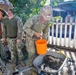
x=33 y=25
x=12 y=27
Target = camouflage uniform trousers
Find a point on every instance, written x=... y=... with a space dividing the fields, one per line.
x=30 y=47
x=3 y=57
x=16 y=53
x=3 y=54
x=2 y=67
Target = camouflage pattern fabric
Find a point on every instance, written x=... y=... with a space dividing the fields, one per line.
x=33 y=25
x=2 y=51
x=3 y=57
x=2 y=65
x=15 y=50
x=12 y=30
x=12 y=27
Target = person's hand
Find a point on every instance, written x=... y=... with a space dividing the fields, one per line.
x=3 y=40
x=38 y=35
x=18 y=41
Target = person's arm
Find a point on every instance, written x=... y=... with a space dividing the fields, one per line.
x=19 y=31
x=19 y=26
x=27 y=27
x=4 y=31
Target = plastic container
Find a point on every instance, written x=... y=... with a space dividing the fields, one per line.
x=41 y=46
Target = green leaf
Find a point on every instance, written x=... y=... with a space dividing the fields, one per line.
x=51 y=23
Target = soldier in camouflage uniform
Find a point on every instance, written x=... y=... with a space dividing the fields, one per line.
x=35 y=28
x=3 y=55
x=12 y=30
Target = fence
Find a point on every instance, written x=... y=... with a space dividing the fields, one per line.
x=63 y=33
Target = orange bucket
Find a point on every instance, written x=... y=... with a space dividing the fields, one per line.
x=41 y=46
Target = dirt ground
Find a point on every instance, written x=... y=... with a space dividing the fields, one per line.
x=10 y=67
x=12 y=70
x=72 y=55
